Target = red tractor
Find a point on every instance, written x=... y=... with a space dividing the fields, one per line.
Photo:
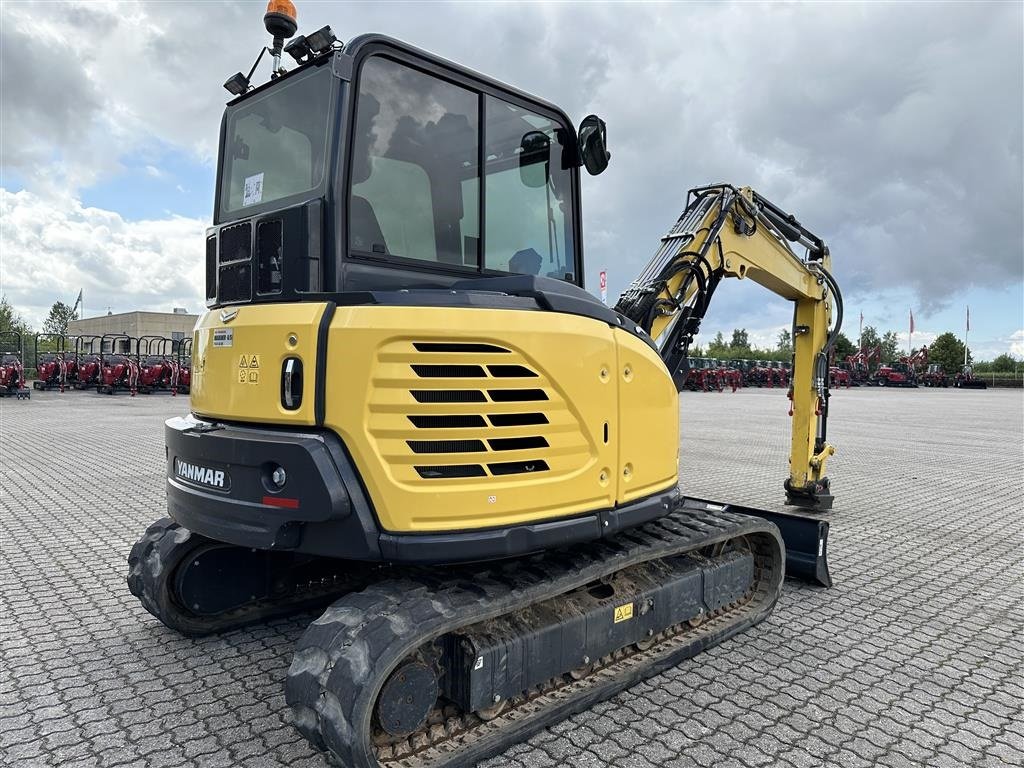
x=839 y=377
x=728 y=375
x=185 y=366
x=860 y=365
x=703 y=375
x=935 y=376
x=86 y=362
x=898 y=374
x=158 y=365
x=967 y=380
x=53 y=365
x=758 y=374
x=119 y=368
x=12 y=370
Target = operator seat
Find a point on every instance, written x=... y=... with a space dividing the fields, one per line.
x=525 y=262
x=364 y=228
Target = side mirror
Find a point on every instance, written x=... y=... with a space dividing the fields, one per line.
x=593 y=144
x=534 y=159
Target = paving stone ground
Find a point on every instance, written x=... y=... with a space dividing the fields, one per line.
x=914 y=658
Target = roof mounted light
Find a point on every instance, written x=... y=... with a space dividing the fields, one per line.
x=281 y=18
x=280 y=21
x=237 y=84
x=299 y=50
x=322 y=40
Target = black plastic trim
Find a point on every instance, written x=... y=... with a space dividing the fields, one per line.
x=513 y=541
x=333 y=518
x=320 y=378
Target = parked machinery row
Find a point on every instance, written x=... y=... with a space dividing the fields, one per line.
x=908 y=371
x=707 y=374
x=112 y=363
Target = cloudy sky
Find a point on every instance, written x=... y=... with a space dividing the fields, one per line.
x=892 y=130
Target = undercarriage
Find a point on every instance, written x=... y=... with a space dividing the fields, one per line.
x=424 y=666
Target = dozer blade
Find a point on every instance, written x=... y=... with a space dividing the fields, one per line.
x=445 y=668
x=805 y=536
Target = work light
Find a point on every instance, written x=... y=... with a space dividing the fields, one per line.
x=322 y=39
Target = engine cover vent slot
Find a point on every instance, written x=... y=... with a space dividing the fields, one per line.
x=517 y=419
x=517 y=395
x=446 y=446
x=511 y=372
x=451 y=470
x=448 y=395
x=449 y=371
x=448 y=422
x=518 y=467
x=517 y=443
x=455 y=346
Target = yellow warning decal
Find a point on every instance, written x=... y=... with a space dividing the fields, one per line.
x=248 y=369
x=624 y=612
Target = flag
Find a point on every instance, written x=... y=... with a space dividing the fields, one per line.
x=968 y=318
x=79 y=299
x=911 y=321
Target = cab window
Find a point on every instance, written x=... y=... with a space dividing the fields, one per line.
x=419 y=192
x=528 y=229
x=415 y=148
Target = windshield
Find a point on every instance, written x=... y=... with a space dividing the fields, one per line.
x=275 y=143
x=416 y=177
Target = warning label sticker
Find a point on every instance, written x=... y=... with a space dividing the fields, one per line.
x=248 y=369
x=624 y=612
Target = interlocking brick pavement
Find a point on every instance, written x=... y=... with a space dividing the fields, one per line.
x=914 y=658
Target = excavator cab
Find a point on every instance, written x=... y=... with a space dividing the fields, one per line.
x=377 y=166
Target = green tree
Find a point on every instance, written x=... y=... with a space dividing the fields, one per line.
x=60 y=315
x=10 y=320
x=718 y=347
x=948 y=351
x=785 y=345
x=1004 y=362
x=740 y=339
x=869 y=338
x=843 y=347
x=890 y=347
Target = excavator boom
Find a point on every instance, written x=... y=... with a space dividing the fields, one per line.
x=729 y=232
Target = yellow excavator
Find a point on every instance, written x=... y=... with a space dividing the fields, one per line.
x=408 y=413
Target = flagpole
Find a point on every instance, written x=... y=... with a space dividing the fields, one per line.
x=967 y=329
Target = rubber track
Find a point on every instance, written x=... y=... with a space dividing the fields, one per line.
x=345 y=656
x=152 y=564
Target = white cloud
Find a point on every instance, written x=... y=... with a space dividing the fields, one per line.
x=154 y=172
x=52 y=247
x=897 y=156
x=1017 y=344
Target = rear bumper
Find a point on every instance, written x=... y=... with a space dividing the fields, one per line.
x=322 y=508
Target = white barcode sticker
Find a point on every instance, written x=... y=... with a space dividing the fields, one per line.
x=252 y=192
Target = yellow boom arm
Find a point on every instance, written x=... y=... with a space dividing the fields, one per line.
x=729 y=232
